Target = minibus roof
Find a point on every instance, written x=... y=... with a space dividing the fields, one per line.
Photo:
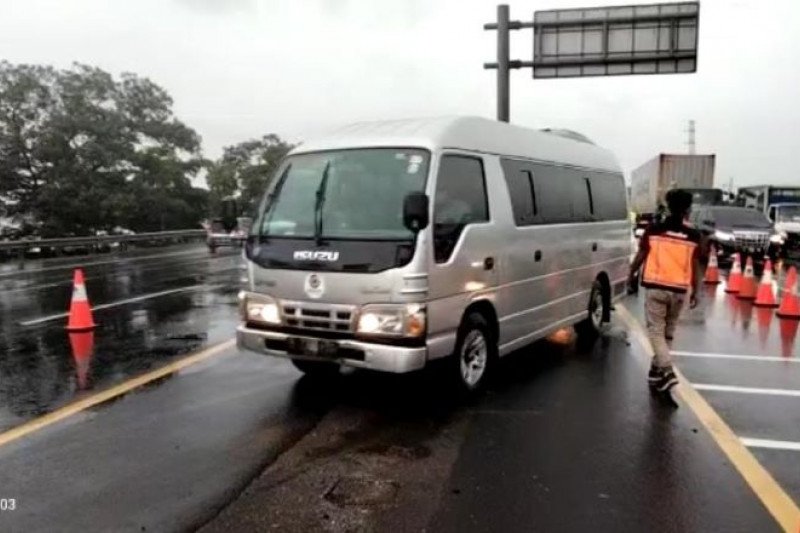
x=466 y=133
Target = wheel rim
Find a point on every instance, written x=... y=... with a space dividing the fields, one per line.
x=596 y=311
x=473 y=358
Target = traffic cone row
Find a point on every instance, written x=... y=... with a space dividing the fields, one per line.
x=744 y=286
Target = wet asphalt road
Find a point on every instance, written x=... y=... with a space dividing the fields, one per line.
x=38 y=369
x=576 y=443
x=738 y=348
x=565 y=440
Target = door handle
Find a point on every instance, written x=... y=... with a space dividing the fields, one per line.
x=594 y=246
x=488 y=263
x=537 y=256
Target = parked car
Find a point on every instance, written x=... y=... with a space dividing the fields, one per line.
x=738 y=230
x=217 y=234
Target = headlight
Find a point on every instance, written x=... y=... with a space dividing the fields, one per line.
x=259 y=308
x=777 y=238
x=638 y=232
x=723 y=235
x=392 y=320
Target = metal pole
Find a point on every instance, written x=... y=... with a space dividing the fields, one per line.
x=503 y=93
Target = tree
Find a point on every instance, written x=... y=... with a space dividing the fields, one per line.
x=25 y=98
x=244 y=168
x=82 y=151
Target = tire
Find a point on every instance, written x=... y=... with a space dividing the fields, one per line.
x=321 y=369
x=599 y=308
x=474 y=356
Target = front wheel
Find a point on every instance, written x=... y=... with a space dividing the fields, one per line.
x=599 y=313
x=474 y=355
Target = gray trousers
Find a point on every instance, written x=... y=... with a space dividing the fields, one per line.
x=662 y=309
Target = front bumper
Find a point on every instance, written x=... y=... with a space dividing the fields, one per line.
x=725 y=251
x=373 y=356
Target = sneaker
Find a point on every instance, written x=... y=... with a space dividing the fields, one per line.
x=667 y=381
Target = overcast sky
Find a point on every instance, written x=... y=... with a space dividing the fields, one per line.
x=240 y=68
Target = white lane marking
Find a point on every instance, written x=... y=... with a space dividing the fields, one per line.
x=771 y=444
x=734 y=356
x=119 y=260
x=746 y=390
x=135 y=299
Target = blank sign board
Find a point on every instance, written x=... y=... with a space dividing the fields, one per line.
x=610 y=41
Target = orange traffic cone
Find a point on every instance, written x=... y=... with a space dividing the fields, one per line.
x=735 y=276
x=790 y=303
x=82 y=351
x=766 y=296
x=80 y=313
x=712 y=270
x=747 y=291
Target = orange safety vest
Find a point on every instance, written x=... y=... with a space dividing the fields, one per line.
x=669 y=261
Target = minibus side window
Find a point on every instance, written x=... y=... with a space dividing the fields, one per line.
x=608 y=196
x=460 y=200
x=521 y=191
x=580 y=200
x=554 y=187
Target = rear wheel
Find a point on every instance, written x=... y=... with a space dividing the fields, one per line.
x=321 y=369
x=474 y=356
x=599 y=312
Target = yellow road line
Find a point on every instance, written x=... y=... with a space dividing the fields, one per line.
x=778 y=503
x=108 y=394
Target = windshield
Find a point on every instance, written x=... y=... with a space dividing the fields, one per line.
x=789 y=213
x=346 y=194
x=741 y=217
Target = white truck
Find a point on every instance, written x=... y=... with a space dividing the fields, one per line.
x=782 y=205
x=651 y=181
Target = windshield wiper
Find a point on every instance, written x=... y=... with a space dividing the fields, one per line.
x=320 y=202
x=271 y=199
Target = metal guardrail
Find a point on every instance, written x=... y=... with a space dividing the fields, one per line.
x=27 y=244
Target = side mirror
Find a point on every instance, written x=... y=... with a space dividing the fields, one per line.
x=415 y=211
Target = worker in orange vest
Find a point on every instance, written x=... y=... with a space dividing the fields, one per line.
x=670 y=253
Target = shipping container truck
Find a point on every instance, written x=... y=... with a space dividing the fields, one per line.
x=651 y=181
